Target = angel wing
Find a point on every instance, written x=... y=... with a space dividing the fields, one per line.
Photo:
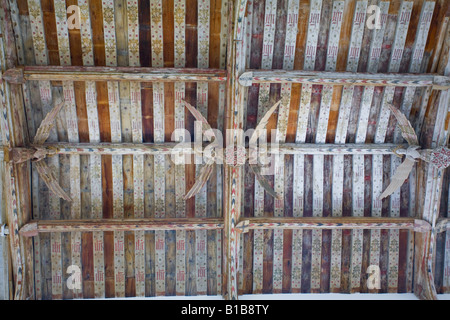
x=253 y=139
x=263 y=123
x=405 y=126
x=50 y=180
x=47 y=124
x=263 y=181
x=205 y=173
x=401 y=174
x=199 y=117
x=206 y=169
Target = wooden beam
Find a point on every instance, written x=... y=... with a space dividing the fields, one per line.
x=169 y=148
x=89 y=225
x=333 y=223
x=437 y=82
x=16 y=178
x=87 y=73
x=226 y=13
x=430 y=191
x=234 y=121
x=34 y=227
x=442 y=225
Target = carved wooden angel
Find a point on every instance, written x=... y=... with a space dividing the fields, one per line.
x=256 y=167
x=37 y=153
x=439 y=157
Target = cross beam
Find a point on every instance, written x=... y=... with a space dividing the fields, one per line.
x=141 y=74
x=333 y=223
x=169 y=148
x=435 y=81
x=89 y=225
x=34 y=227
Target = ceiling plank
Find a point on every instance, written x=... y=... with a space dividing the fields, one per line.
x=72 y=132
x=137 y=134
x=179 y=118
x=111 y=13
x=159 y=161
x=409 y=94
x=270 y=15
x=398 y=49
x=366 y=105
x=203 y=38
x=41 y=21
x=358 y=160
x=338 y=163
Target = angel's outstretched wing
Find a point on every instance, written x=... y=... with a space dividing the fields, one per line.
x=205 y=173
x=263 y=123
x=263 y=181
x=253 y=139
x=50 y=180
x=405 y=127
x=199 y=117
x=401 y=174
x=206 y=169
x=47 y=124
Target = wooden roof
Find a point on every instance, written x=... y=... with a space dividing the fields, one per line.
x=123 y=75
